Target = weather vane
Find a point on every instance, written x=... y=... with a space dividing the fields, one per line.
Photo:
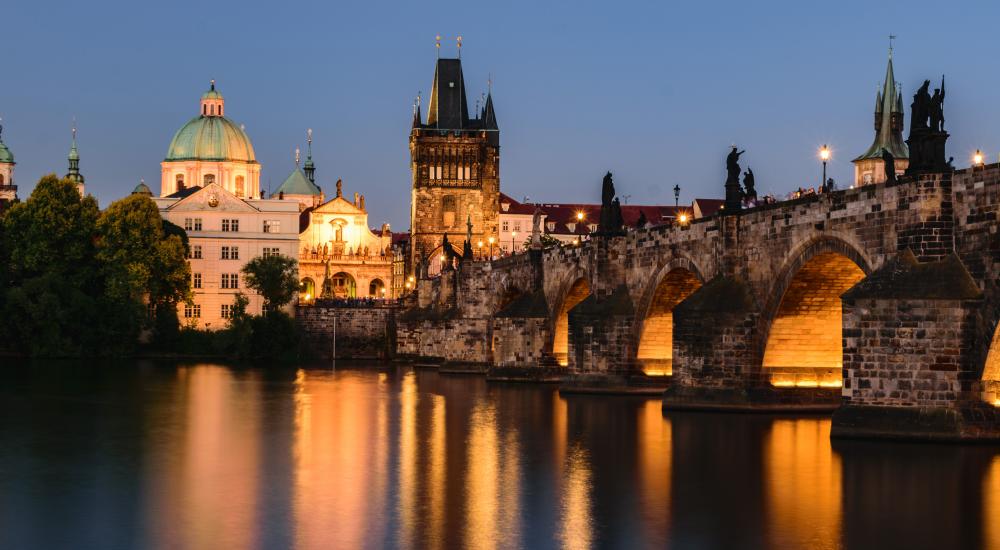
x=296 y=157
x=891 y=38
x=459 y=40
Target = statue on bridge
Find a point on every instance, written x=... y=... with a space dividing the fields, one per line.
x=611 y=208
x=734 y=193
x=749 y=189
x=889 y=162
x=927 y=135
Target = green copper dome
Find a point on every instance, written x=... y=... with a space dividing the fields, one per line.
x=5 y=155
x=212 y=138
x=297 y=184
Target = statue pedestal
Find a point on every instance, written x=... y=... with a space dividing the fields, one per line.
x=927 y=151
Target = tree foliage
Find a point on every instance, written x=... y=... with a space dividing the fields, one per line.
x=274 y=277
x=76 y=281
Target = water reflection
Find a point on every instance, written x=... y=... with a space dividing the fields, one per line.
x=213 y=457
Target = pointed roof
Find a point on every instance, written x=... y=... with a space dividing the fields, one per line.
x=74 y=174
x=489 y=115
x=890 y=102
x=297 y=184
x=448 y=108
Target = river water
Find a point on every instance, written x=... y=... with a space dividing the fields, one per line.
x=209 y=456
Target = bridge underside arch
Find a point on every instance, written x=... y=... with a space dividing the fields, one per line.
x=577 y=292
x=804 y=345
x=991 y=371
x=655 y=350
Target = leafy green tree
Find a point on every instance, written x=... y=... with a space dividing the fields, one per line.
x=53 y=288
x=547 y=241
x=274 y=277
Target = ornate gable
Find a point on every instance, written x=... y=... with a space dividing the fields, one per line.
x=213 y=197
x=338 y=205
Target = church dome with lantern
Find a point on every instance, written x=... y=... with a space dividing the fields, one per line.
x=211 y=148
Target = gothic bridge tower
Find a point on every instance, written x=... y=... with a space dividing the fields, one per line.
x=455 y=167
x=869 y=166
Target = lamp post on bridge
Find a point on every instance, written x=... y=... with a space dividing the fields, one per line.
x=677 y=196
x=824 y=155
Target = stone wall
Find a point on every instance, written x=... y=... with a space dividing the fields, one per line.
x=362 y=332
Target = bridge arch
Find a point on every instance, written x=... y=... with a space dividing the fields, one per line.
x=671 y=284
x=574 y=288
x=802 y=324
x=990 y=380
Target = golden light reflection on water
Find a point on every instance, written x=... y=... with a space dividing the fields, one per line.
x=333 y=455
x=576 y=523
x=654 y=469
x=803 y=484
x=991 y=504
x=407 y=505
x=492 y=483
x=211 y=490
x=438 y=473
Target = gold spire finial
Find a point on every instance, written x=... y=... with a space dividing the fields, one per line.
x=297 y=157
x=459 y=40
x=212 y=82
x=437 y=44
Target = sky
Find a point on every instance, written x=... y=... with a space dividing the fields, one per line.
x=655 y=92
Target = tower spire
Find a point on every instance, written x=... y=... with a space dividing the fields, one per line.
x=309 y=168
x=74 y=174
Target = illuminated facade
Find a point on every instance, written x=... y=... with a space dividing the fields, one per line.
x=8 y=190
x=339 y=255
x=224 y=233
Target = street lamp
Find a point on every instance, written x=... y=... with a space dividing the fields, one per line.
x=480 y=245
x=677 y=196
x=491 y=247
x=579 y=216
x=824 y=155
x=683 y=218
x=977 y=159
x=513 y=235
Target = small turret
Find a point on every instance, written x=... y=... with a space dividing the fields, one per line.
x=74 y=174
x=309 y=168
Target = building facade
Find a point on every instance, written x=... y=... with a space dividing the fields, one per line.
x=211 y=149
x=869 y=167
x=224 y=233
x=340 y=256
x=455 y=167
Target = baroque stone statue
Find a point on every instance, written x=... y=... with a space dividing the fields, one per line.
x=749 y=189
x=889 y=163
x=734 y=193
x=611 y=210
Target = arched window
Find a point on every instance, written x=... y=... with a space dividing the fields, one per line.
x=1 y=179
x=209 y=179
x=179 y=178
x=239 y=186
x=204 y=109
x=376 y=288
x=213 y=110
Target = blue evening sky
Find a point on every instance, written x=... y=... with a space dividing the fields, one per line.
x=653 y=91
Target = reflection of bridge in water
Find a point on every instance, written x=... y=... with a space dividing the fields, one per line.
x=880 y=300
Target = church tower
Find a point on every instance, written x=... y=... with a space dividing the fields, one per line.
x=455 y=166
x=8 y=191
x=74 y=174
x=869 y=167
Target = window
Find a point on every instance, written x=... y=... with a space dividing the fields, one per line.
x=231 y=225
x=179 y=178
x=197 y=224
x=866 y=178
x=239 y=184
x=1 y=179
x=188 y=224
x=208 y=179
x=271 y=252
x=196 y=280
x=592 y=227
x=227 y=311
x=196 y=252
x=448 y=211
x=230 y=253
x=192 y=311
x=506 y=226
x=551 y=226
x=230 y=280
x=272 y=226
x=517 y=226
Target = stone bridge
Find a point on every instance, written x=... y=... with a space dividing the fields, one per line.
x=880 y=302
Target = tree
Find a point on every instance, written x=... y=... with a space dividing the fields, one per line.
x=51 y=295
x=546 y=239
x=274 y=277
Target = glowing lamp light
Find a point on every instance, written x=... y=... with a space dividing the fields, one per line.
x=411 y=278
x=824 y=153
x=579 y=216
x=407 y=285
x=491 y=241
x=683 y=218
x=480 y=244
x=977 y=158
